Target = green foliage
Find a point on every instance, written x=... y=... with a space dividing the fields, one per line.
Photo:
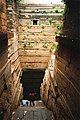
x=42 y=26
x=62 y=13
x=59 y=28
x=45 y=46
x=56 y=11
x=10 y=1
x=50 y=21
x=29 y=27
x=44 y=12
x=64 y=1
x=54 y=47
x=53 y=7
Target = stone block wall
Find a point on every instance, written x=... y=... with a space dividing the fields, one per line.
x=35 y=41
x=67 y=73
x=4 y=103
x=9 y=68
x=66 y=69
x=71 y=21
x=34 y=45
x=3 y=17
x=62 y=90
x=13 y=54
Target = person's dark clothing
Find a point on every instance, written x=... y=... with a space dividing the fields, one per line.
x=31 y=98
x=27 y=103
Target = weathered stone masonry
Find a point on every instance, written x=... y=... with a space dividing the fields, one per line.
x=4 y=101
x=62 y=89
x=35 y=41
x=11 y=52
x=10 y=87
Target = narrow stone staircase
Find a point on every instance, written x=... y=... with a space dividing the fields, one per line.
x=37 y=112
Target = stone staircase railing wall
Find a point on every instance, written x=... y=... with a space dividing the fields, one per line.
x=13 y=53
x=10 y=88
x=4 y=64
x=60 y=87
x=66 y=70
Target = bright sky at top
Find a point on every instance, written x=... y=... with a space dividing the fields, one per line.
x=43 y=1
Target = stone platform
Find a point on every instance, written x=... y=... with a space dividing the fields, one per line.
x=38 y=112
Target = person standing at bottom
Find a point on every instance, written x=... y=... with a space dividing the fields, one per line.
x=27 y=102
x=31 y=98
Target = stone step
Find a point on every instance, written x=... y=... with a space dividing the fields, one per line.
x=37 y=112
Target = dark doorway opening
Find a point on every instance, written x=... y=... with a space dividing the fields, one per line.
x=31 y=81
